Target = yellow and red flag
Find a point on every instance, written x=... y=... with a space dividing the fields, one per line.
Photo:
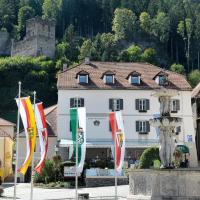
x=29 y=123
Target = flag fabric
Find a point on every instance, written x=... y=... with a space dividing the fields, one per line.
x=28 y=120
x=43 y=135
x=117 y=126
x=78 y=127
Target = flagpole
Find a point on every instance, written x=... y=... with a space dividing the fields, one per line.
x=115 y=132
x=76 y=150
x=17 y=140
x=32 y=162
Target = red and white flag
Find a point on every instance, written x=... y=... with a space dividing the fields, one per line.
x=118 y=134
x=43 y=135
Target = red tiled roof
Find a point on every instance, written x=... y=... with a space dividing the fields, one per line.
x=196 y=92
x=66 y=79
x=4 y=122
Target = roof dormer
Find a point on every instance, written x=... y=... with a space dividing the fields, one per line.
x=82 y=77
x=161 y=78
x=134 y=78
x=108 y=77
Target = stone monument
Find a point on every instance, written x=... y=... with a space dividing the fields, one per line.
x=165 y=183
x=166 y=125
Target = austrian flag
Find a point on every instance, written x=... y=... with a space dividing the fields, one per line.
x=118 y=135
x=43 y=135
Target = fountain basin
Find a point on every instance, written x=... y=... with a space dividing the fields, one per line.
x=176 y=184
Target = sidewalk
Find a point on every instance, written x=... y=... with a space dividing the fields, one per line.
x=23 y=192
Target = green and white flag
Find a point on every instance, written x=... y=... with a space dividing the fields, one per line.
x=78 y=127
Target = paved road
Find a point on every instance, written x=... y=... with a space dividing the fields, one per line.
x=23 y=193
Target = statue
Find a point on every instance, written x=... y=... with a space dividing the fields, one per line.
x=166 y=124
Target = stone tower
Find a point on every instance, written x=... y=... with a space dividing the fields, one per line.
x=39 y=39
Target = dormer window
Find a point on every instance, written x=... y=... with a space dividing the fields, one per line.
x=82 y=77
x=108 y=77
x=161 y=78
x=134 y=78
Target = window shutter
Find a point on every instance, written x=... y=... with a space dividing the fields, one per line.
x=110 y=104
x=71 y=102
x=70 y=126
x=147 y=127
x=147 y=104
x=137 y=104
x=137 y=124
x=110 y=129
x=121 y=104
x=82 y=102
x=177 y=105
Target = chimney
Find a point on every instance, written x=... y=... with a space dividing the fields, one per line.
x=64 y=66
x=87 y=60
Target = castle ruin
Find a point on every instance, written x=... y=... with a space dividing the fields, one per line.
x=39 y=39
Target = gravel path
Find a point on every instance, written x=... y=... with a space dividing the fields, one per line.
x=23 y=192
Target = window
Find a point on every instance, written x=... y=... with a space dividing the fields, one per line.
x=109 y=79
x=175 y=105
x=178 y=130
x=142 y=126
x=135 y=80
x=142 y=105
x=83 y=78
x=116 y=104
x=76 y=102
x=163 y=80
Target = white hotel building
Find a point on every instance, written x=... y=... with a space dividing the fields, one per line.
x=96 y=84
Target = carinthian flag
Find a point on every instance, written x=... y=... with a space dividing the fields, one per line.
x=118 y=134
x=78 y=127
x=43 y=135
x=28 y=120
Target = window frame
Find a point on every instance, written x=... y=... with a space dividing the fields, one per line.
x=75 y=104
x=175 y=105
x=119 y=106
x=143 y=126
x=138 y=80
x=107 y=76
x=162 y=82
x=85 y=76
x=142 y=105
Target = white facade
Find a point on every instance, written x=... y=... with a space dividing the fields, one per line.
x=97 y=108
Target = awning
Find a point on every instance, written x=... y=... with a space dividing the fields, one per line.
x=108 y=143
x=183 y=148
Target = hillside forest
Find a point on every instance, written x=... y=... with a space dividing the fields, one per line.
x=162 y=32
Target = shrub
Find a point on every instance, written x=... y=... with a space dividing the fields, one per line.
x=149 y=55
x=134 y=53
x=148 y=156
x=178 y=68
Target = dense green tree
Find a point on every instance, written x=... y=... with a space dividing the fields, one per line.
x=185 y=29
x=149 y=55
x=178 y=68
x=194 y=77
x=145 y=22
x=24 y=14
x=161 y=26
x=134 y=53
x=51 y=8
x=86 y=49
x=124 y=23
